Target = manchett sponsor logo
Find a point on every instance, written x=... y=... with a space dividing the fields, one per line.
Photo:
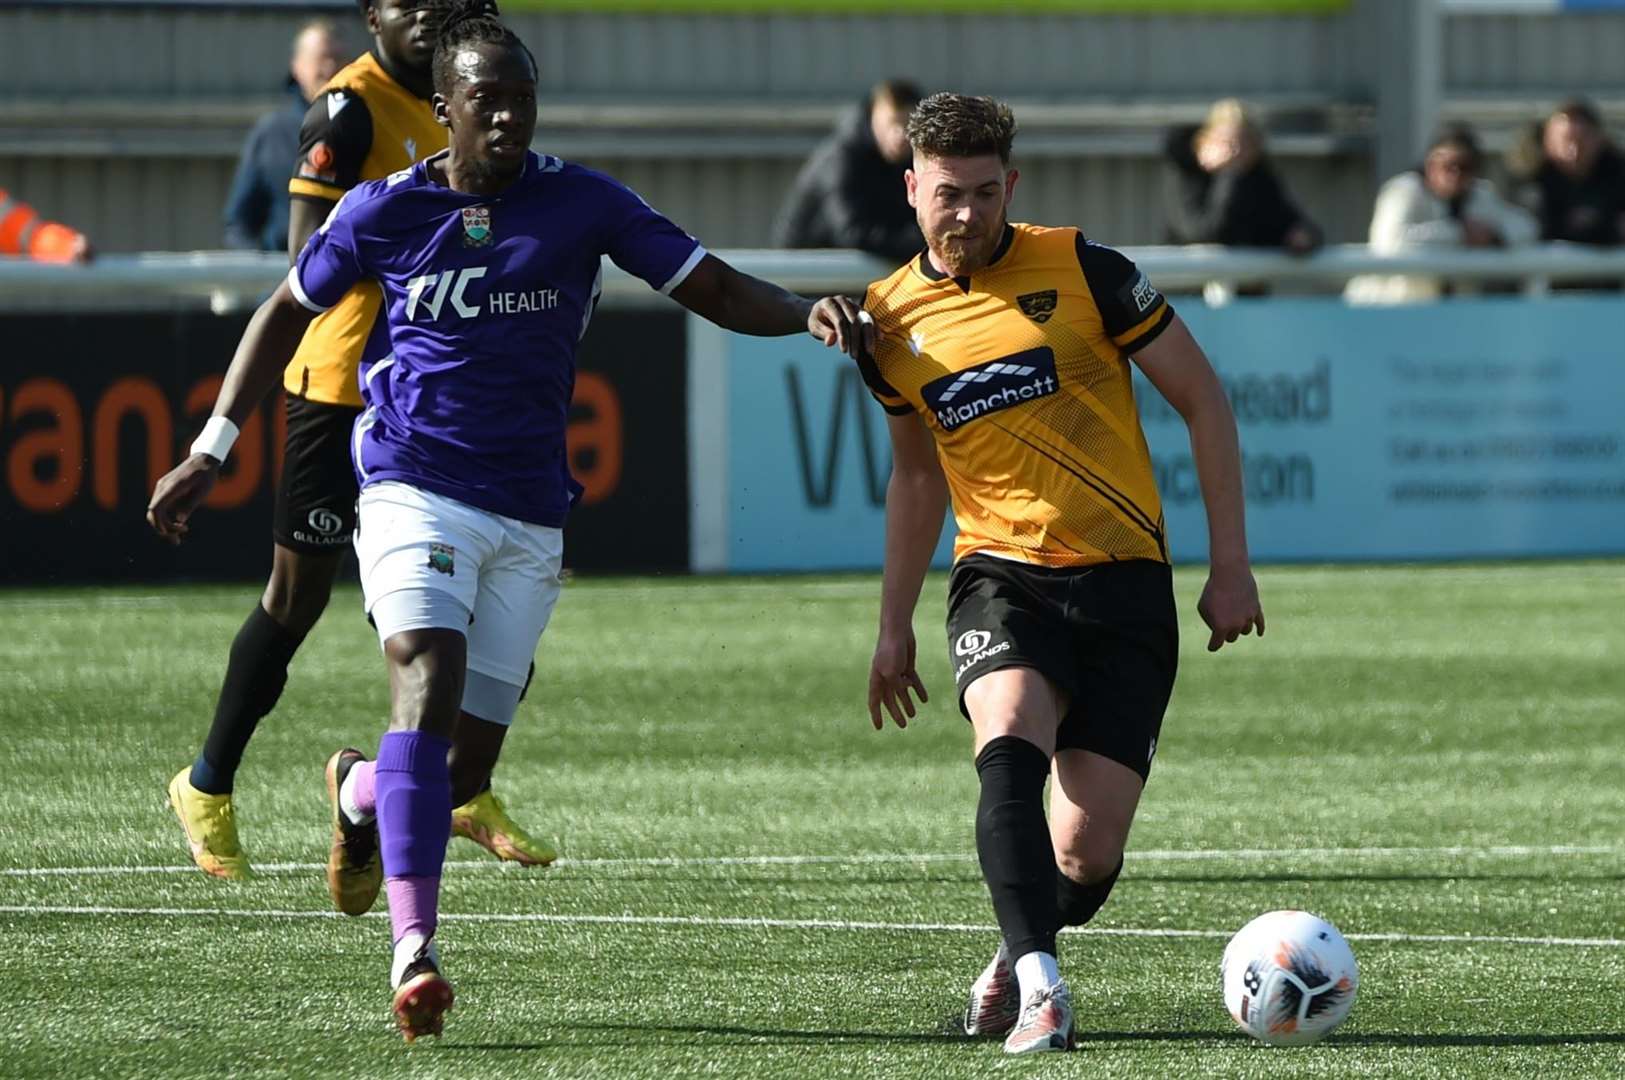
x=987 y=388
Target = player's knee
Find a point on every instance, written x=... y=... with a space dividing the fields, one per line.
x=427 y=680
x=1088 y=863
x=1078 y=898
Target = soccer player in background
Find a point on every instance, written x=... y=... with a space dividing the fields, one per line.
x=371 y=120
x=488 y=257
x=1003 y=366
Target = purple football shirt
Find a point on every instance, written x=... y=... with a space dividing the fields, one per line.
x=468 y=389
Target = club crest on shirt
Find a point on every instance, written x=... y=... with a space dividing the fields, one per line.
x=476 y=226
x=1038 y=306
x=443 y=559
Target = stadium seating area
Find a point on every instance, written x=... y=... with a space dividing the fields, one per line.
x=127 y=123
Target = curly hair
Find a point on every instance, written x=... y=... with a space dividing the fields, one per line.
x=958 y=125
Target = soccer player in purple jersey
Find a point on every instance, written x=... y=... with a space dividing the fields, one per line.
x=489 y=260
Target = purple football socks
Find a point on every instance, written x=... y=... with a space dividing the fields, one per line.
x=413 y=788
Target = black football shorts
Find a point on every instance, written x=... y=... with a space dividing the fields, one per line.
x=1108 y=635
x=315 y=502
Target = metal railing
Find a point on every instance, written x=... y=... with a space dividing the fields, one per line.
x=232 y=280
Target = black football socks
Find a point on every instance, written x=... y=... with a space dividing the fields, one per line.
x=1013 y=843
x=1077 y=902
x=255 y=676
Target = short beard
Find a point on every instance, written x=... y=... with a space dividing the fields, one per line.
x=962 y=262
x=489 y=173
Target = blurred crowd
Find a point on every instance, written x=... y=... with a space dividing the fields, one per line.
x=1561 y=180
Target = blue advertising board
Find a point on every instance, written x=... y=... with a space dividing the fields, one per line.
x=1484 y=428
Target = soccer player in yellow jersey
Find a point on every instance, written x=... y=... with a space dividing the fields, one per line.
x=1003 y=363
x=371 y=120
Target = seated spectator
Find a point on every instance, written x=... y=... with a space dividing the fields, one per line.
x=850 y=193
x=1221 y=188
x=1442 y=203
x=257 y=208
x=24 y=233
x=1577 y=189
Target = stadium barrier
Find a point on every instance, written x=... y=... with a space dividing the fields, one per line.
x=1484 y=427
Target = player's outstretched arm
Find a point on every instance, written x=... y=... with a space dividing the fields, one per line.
x=916 y=500
x=268 y=344
x=1178 y=368
x=748 y=305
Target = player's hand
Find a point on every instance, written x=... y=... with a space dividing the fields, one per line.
x=839 y=321
x=1230 y=606
x=891 y=678
x=179 y=492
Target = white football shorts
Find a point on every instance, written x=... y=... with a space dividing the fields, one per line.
x=429 y=561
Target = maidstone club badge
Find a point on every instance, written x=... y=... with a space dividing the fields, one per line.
x=476 y=226
x=1037 y=306
x=443 y=559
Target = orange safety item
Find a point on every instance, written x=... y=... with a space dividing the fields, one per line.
x=23 y=232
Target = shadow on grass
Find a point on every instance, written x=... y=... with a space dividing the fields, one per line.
x=1341 y=875
x=1579 y=1038
x=951 y=1034
x=725 y=1031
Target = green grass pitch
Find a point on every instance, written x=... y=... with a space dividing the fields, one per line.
x=757 y=884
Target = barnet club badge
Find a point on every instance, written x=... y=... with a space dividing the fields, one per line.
x=443 y=559
x=476 y=226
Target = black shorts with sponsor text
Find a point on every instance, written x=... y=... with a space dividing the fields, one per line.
x=1108 y=635
x=315 y=502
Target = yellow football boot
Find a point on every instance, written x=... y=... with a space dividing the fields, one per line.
x=210 y=827
x=355 y=872
x=483 y=820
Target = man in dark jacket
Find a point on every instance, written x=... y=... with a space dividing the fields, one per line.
x=257 y=208
x=851 y=194
x=1578 y=190
x=1222 y=188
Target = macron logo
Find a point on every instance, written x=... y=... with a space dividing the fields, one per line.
x=335 y=104
x=1004 y=383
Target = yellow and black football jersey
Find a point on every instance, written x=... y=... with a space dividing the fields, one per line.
x=1021 y=372
x=362 y=126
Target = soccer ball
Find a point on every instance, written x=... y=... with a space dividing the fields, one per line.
x=1289 y=978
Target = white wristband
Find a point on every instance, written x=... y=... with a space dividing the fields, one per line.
x=216 y=439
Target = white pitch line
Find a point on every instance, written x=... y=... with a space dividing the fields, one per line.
x=882 y=858
x=745 y=923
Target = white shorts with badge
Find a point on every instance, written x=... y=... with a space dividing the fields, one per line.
x=417 y=550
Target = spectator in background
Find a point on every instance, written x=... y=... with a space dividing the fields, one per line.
x=24 y=233
x=850 y=193
x=1443 y=203
x=1221 y=187
x=1577 y=188
x=257 y=208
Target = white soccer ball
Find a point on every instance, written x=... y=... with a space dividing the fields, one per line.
x=1289 y=978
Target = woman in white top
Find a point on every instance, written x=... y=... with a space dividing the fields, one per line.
x=1443 y=204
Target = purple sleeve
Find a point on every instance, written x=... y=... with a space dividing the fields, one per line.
x=329 y=265
x=645 y=243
